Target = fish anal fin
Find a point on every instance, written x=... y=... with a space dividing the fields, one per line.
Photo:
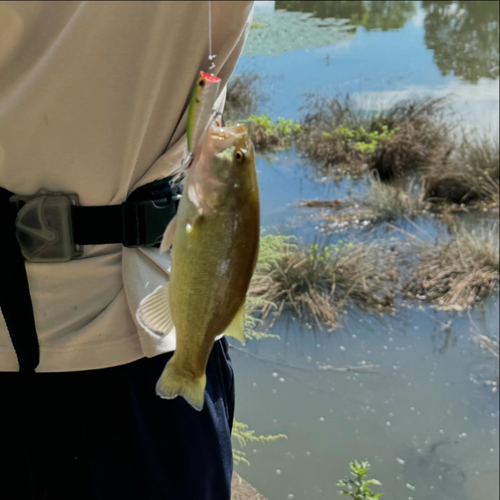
x=154 y=313
x=168 y=235
x=236 y=329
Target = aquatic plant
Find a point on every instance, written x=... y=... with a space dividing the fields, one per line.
x=244 y=435
x=316 y=282
x=329 y=127
x=359 y=487
x=266 y=133
x=243 y=94
x=410 y=135
x=455 y=274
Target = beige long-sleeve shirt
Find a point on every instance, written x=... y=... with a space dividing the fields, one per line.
x=93 y=100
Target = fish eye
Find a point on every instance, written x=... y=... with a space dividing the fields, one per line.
x=239 y=156
x=201 y=83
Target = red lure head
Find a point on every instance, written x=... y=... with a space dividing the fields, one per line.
x=209 y=78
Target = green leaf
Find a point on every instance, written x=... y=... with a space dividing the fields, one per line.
x=376 y=482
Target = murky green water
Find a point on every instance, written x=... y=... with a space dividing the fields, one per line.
x=425 y=420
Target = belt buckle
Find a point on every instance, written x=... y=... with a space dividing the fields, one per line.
x=44 y=226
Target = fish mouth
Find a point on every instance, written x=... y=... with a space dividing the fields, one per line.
x=228 y=137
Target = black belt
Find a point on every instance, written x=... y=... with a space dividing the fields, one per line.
x=140 y=221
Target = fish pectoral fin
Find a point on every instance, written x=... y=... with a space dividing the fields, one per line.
x=193 y=196
x=168 y=235
x=154 y=314
x=237 y=327
x=177 y=382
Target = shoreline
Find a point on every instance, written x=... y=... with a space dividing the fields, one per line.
x=242 y=490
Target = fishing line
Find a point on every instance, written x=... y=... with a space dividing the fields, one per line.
x=211 y=57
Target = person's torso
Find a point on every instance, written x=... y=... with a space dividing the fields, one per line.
x=92 y=94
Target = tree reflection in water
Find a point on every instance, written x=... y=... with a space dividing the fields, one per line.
x=462 y=34
x=372 y=15
x=464 y=37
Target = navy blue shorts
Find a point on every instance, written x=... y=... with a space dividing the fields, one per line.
x=105 y=435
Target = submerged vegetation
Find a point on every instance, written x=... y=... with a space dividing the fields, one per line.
x=490 y=369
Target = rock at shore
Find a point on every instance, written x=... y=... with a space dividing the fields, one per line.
x=241 y=490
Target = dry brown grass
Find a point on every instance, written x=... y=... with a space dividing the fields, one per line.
x=242 y=97
x=381 y=203
x=329 y=152
x=411 y=135
x=333 y=156
x=316 y=283
x=457 y=274
x=471 y=176
x=422 y=138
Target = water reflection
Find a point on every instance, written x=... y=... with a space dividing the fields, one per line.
x=426 y=420
x=462 y=34
x=464 y=37
x=372 y=15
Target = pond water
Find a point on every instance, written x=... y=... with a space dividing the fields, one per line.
x=424 y=420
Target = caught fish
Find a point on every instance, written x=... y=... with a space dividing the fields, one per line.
x=200 y=111
x=215 y=239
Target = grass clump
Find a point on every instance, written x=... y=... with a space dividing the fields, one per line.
x=381 y=203
x=389 y=203
x=266 y=133
x=242 y=96
x=471 y=177
x=344 y=137
x=457 y=274
x=422 y=139
x=332 y=127
x=359 y=487
x=317 y=282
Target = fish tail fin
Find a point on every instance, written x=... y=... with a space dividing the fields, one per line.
x=177 y=382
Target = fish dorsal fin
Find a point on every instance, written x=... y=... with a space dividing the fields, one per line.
x=237 y=327
x=154 y=314
x=168 y=235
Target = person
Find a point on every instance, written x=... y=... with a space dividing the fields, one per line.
x=93 y=109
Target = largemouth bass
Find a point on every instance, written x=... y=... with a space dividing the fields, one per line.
x=215 y=239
